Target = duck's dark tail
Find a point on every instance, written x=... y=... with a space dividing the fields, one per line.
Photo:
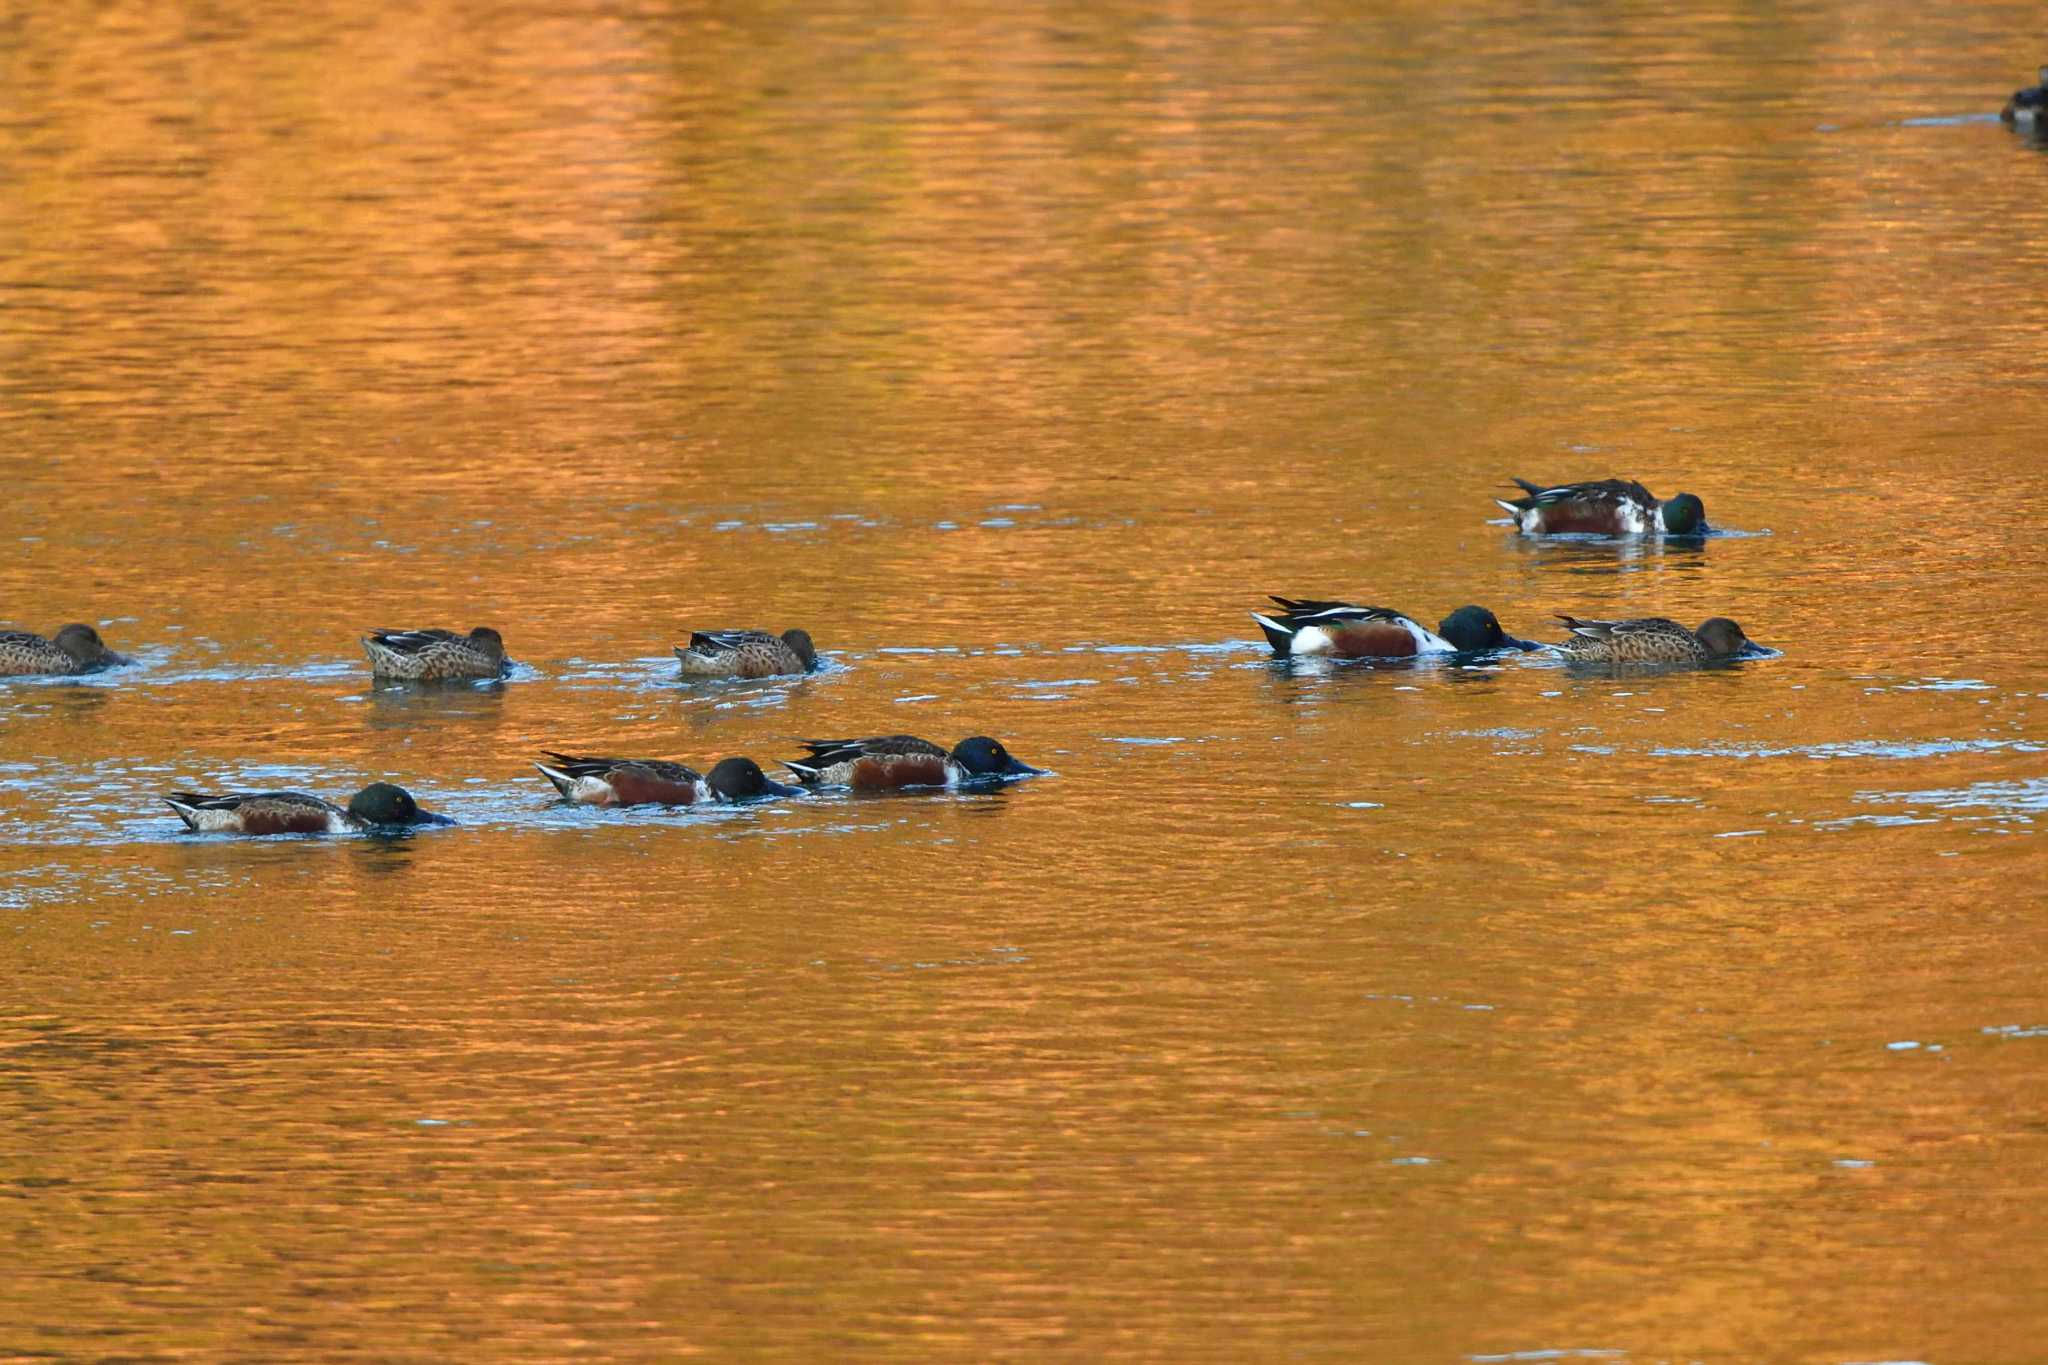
x=563 y=782
x=1277 y=635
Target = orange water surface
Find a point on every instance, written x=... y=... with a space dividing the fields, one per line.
x=1492 y=1012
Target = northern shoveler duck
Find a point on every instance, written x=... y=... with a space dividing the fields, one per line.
x=435 y=655
x=1353 y=632
x=377 y=808
x=890 y=761
x=77 y=649
x=2026 y=107
x=654 y=781
x=1603 y=507
x=746 y=654
x=1653 y=639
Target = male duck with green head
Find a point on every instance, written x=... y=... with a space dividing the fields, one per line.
x=1603 y=507
x=380 y=808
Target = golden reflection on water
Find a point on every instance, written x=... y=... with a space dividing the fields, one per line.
x=1404 y=1013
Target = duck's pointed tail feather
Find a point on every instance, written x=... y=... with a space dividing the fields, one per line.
x=563 y=782
x=1277 y=635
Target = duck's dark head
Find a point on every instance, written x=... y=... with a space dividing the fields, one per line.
x=2026 y=105
x=1723 y=638
x=84 y=645
x=1684 y=515
x=741 y=779
x=489 y=641
x=800 y=641
x=382 y=803
x=1472 y=629
x=985 y=757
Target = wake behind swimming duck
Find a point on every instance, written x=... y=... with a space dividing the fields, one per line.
x=1603 y=507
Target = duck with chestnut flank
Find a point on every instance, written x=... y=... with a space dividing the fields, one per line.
x=886 y=762
x=1603 y=507
x=379 y=808
x=654 y=781
x=1346 y=631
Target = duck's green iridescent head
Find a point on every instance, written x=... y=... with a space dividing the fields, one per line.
x=1722 y=637
x=1684 y=515
x=740 y=779
x=985 y=757
x=1472 y=629
x=382 y=803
